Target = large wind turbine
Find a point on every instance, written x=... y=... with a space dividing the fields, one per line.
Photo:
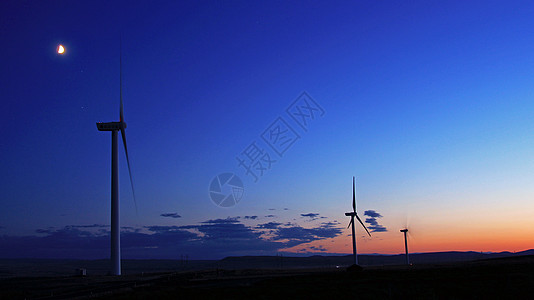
x=353 y=214
x=114 y=127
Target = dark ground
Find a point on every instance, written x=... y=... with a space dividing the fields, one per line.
x=502 y=278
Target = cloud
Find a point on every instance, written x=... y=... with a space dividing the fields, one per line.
x=270 y=216
x=157 y=242
x=221 y=229
x=129 y=229
x=49 y=230
x=312 y=216
x=373 y=222
x=378 y=228
x=297 y=235
x=319 y=248
x=163 y=229
x=330 y=224
x=90 y=226
x=270 y=225
x=222 y=221
x=210 y=239
x=251 y=217
x=171 y=215
x=372 y=214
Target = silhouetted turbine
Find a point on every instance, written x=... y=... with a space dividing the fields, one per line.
x=353 y=215
x=114 y=127
x=405 y=231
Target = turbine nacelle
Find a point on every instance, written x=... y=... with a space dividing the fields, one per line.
x=350 y=214
x=110 y=126
x=404 y=230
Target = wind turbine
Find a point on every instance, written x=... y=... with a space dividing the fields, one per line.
x=405 y=231
x=353 y=214
x=114 y=127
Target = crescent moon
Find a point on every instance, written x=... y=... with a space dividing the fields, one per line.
x=60 y=49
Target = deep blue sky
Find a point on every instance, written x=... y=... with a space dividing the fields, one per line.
x=428 y=103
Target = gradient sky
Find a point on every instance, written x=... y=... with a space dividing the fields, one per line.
x=428 y=103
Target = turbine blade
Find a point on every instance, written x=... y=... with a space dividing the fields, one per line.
x=410 y=235
x=350 y=223
x=123 y=132
x=353 y=194
x=121 y=117
x=363 y=225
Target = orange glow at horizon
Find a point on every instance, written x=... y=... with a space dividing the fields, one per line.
x=479 y=239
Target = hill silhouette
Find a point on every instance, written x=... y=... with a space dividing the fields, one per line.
x=56 y=267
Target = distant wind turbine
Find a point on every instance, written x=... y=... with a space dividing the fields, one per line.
x=405 y=231
x=114 y=127
x=353 y=214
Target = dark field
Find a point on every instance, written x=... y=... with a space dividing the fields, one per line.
x=503 y=278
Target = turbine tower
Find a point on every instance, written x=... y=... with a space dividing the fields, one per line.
x=114 y=127
x=405 y=231
x=353 y=214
